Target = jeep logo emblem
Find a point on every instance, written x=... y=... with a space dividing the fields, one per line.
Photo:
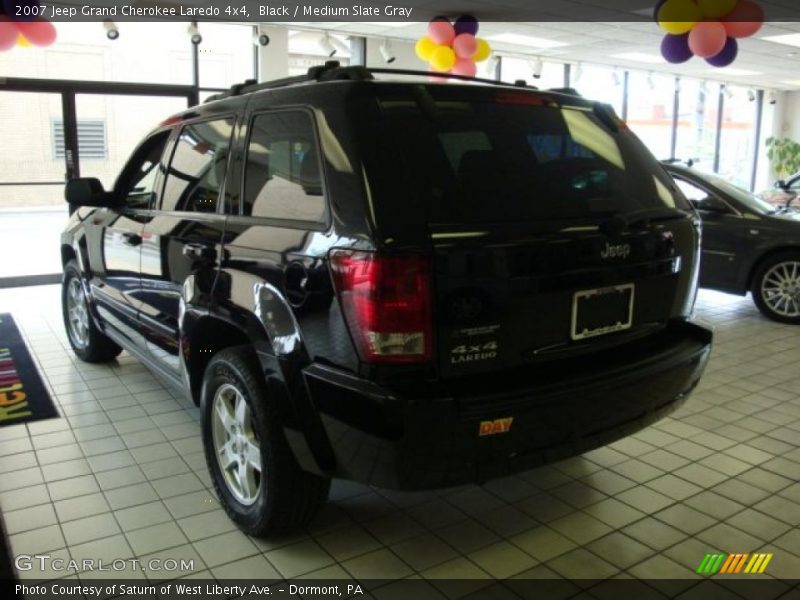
x=495 y=427
x=615 y=251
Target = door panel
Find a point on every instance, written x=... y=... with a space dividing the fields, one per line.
x=184 y=238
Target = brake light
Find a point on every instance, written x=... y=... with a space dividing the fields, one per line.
x=386 y=302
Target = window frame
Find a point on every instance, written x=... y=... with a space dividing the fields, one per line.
x=173 y=142
x=321 y=224
x=136 y=158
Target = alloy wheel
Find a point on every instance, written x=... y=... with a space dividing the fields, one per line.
x=77 y=313
x=780 y=288
x=236 y=444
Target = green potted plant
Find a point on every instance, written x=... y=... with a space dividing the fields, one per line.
x=784 y=153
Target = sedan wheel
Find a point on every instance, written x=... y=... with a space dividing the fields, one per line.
x=78 y=314
x=780 y=289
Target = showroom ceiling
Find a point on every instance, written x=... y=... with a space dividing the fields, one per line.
x=617 y=40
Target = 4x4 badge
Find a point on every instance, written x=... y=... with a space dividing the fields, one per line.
x=495 y=427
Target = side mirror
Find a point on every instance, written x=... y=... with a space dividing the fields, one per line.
x=87 y=191
x=781 y=184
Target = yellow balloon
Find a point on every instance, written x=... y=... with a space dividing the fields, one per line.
x=23 y=42
x=424 y=48
x=679 y=16
x=483 y=51
x=443 y=58
x=714 y=9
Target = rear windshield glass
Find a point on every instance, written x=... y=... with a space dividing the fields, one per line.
x=507 y=156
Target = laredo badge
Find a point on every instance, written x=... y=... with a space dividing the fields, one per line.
x=495 y=427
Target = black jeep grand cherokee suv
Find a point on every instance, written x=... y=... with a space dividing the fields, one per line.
x=404 y=283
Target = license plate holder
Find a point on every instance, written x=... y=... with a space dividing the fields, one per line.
x=602 y=311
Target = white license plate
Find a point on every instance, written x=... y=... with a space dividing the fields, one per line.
x=601 y=311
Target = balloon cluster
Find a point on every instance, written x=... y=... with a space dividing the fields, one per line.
x=453 y=47
x=23 y=31
x=706 y=28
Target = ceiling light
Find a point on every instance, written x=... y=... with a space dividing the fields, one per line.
x=616 y=78
x=194 y=33
x=735 y=72
x=640 y=57
x=727 y=91
x=327 y=46
x=525 y=40
x=772 y=98
x=751 y=95
x=386 y=52
x=112 y=31
x=789 y=39
x=536 y=67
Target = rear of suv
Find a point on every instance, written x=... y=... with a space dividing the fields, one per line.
x=404 y=283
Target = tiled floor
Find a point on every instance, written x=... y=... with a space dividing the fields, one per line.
x=122 y=475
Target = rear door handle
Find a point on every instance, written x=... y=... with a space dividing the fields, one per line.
x=131 y=239
x=199 y=251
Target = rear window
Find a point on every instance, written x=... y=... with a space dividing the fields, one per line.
x=504 y=156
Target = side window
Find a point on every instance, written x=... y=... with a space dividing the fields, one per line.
x=197 y=170
x=692 y=192
x=138 y=180
x=282 y=177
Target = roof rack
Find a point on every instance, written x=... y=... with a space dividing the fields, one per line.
x=333 y=71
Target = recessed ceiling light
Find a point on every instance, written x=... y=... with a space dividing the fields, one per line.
x=734 y=71
x=789 y=39
x=640 y=57
x=525 y=40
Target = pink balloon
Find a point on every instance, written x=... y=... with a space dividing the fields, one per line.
x=8 y=36
x=465 y=45
x=441 y=32
x=708 y=38
x=744 y=20
x=465 y=67
x=38 y=33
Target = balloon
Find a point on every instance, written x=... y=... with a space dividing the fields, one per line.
x=726 y=56
x=678 y=16
x=441 y=32
x=708 y=38
x=443 y=58
x=483 y=51
x=675 y=48
x=22 y=42
x=38 y=33
x=466 y=24
x=465 y=45
x=714 y=9
x=745 y=20
x=465 y=67
x=8 y=35
x=424 y=48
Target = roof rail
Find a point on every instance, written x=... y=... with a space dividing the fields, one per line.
x=333 y=71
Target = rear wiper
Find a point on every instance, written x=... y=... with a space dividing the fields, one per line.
x=643 y=216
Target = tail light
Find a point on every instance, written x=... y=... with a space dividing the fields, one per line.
x=386 y=302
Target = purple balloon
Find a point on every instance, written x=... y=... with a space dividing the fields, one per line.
x=675 y=48
x=726 y=56
x=466 y=24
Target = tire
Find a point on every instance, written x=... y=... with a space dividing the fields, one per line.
x=278 y=497
x=87 y=341
x=776 y=287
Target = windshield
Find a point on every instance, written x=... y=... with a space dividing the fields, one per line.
x=507 y=156
x=746 y=198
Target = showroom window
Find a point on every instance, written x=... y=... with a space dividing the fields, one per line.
x=603 y=84
x=282 y=175
x=197 y=170
x=737 y=136
x=651 y=102
x=696 y=135
x=513 y=68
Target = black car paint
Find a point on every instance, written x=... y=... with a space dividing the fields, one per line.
x=266 y=283
x=737 y=240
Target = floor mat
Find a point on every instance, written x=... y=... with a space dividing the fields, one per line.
x=23 y=395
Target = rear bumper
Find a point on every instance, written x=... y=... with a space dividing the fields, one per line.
x=427 y=436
